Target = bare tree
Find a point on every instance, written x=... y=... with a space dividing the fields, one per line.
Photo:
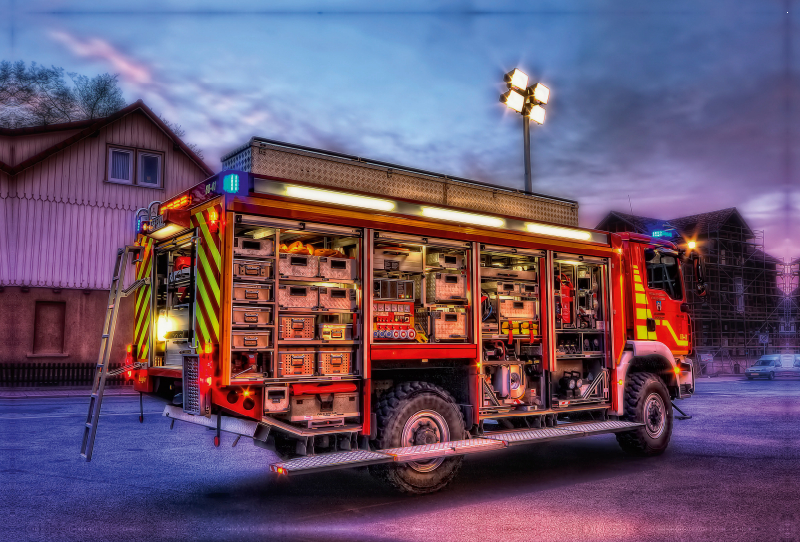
x=37 y=95
x=178 y=130
x=97 y=97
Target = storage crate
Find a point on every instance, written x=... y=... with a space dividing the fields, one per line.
x=298 y=297
x=323 y=406
x=252 y=293
x=252 y=316
x=296 y=328
x=252 y=270
x=508 y=274
x=338 y=298
x=510 y=308
x=444 y=287
x=276 y=399
x=528 y=290
x=251 y=340
x=444 y=259
x=298 y=265
x=335 y=362
x=296 y=362
x=338 y=268
x=503 y=288
x=253 y=248
x=336 y=332
x=397 y=259
x=448 y=326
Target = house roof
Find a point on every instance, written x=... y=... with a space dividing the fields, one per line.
x=89 y=127
x=685 y=225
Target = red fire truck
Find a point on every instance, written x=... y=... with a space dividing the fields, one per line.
x=345 y=312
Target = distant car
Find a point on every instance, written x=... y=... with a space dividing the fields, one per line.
x=789 y=365
x=766 y=367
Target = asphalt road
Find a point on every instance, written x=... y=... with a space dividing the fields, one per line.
x=731 y=473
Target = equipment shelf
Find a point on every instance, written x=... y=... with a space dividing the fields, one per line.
x=285 y=278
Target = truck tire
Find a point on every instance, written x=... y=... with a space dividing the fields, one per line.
x=646 y=401
x=415 y=413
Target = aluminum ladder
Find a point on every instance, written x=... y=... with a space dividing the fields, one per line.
x=115 y=295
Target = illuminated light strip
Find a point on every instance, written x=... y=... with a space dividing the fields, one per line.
x=555 y=231
x=467 y=218
x=341 y=198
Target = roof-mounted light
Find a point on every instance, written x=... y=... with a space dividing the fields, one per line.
x=556 y=231
x=465 y=218
x=340 y=198
x=230 y=183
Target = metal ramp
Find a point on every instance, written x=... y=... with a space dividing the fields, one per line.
x=488 y=442
x=115 y=294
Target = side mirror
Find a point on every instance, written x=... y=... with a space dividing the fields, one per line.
x=684 y=307
x=699 y=276
x=649 y=254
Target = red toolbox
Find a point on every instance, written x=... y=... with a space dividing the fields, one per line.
x=296 y=362
x=294 y=328
x=335 y=361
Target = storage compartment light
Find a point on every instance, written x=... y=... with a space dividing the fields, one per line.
x=555 y=231
x=466 y=218
x=164 y=325
x=340 y=198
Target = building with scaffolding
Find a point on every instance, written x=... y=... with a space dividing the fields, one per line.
x=749 y=310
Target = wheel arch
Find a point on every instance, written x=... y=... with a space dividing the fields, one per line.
x=649 y=357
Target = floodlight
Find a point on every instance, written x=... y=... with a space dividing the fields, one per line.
x=537 y=114
x=517 y=79
x=339 y=198
x=692 y=245
x=467 y=218
x=514 y=100
x=540 y=93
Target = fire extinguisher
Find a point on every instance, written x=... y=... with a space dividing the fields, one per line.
x=563 y=311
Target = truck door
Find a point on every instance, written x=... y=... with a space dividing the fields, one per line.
x=661 y=317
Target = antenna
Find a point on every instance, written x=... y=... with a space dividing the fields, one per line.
x=629 y=203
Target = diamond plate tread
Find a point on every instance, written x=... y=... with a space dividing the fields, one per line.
x=441 y=449
x=600 y=427
x=531 y=435
x=331 y=461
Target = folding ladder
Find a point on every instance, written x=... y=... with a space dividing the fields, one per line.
x=106 y=341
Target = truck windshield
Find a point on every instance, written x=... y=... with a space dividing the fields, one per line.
x=663 y=274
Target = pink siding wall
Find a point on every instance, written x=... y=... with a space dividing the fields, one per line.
x=30 y=145
x=62 y=223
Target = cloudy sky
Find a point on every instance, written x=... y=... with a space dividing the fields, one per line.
x=683 y=106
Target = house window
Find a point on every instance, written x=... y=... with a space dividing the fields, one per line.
x=138 y=167
x=120 y=165
x=149 y=169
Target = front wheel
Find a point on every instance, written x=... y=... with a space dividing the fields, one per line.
x=647 y=401
x=771 y=376
x=413 y=414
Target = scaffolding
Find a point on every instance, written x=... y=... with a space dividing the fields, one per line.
x=748 y=311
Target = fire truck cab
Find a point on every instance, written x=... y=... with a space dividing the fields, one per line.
x=360 y=324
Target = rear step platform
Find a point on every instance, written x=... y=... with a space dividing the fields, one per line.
x=488 y=442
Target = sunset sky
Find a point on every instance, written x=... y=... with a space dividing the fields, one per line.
x=683 y=106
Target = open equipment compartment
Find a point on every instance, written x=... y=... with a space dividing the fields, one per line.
x=421 y=290
x=581 y=369
x=511 y=372
x=301 y=317
x=174 y=280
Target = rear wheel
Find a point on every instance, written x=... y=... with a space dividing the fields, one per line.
x=771 y=376
x=413 y=414
x=647 y=401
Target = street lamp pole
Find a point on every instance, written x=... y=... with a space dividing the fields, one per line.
x=527 y=101
x=526 y=142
